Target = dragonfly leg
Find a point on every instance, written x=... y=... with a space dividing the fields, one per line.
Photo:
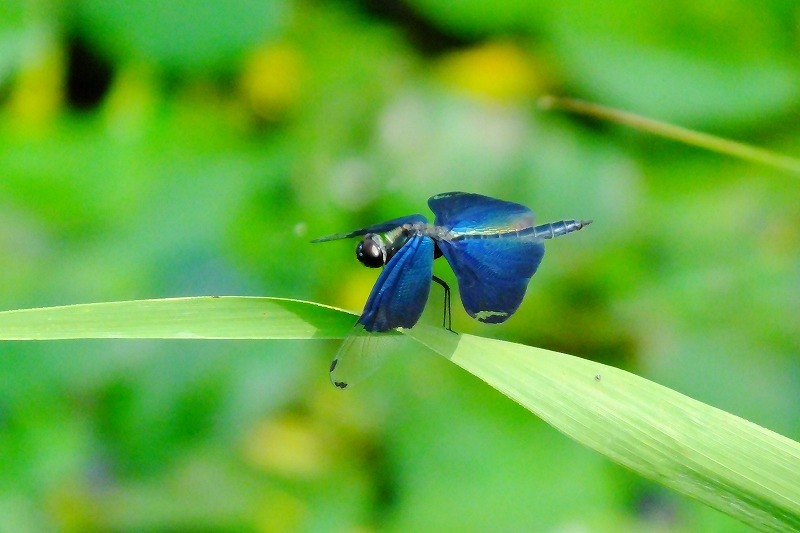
x=447 y=321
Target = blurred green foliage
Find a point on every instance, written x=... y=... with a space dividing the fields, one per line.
x=154 y=149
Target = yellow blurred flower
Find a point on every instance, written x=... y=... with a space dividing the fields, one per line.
x=37 y=93
x=290 y=446
x=72 y=507
x=271 y=80
x=355 y=286
x=498 y=71
x=131 y=100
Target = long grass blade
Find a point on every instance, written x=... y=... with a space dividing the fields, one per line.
x=676 y=133
x=742 y=469
x=203 y=317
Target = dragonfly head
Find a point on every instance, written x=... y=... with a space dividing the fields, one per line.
x=371 y=251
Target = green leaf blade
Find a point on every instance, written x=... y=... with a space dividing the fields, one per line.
x=737 y=467
x=733 y=465
x=204 y=317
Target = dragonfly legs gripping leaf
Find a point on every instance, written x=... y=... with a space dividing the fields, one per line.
x=447 y=320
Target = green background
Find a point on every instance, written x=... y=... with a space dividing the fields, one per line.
x=156 y=149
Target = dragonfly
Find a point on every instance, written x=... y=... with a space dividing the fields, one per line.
x=492 y=245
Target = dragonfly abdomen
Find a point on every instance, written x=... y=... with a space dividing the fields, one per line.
x=552 y=230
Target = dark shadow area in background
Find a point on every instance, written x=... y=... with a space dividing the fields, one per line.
x=421 y=33
x=88 y=76
x=378 y=461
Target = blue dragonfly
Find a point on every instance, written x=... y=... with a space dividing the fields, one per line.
x=492 y=246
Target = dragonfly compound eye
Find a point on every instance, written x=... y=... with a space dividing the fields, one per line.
x=370 y=251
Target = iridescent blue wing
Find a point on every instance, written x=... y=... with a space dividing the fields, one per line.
x=493 y=273
x=399 y=295
x=397 y=300
x=474 y=214
x=383 y=227
x=491 y=247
